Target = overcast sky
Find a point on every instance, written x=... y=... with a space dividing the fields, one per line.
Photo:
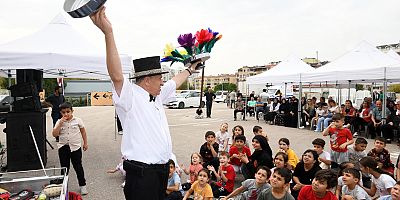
x=255 y=32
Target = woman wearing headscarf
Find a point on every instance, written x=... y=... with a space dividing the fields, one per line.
x=262 y=156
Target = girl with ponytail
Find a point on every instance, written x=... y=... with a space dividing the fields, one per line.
x=382 y=183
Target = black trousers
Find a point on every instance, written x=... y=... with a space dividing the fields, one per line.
x=218 y=191
x=66 y=156
x=209 y=106
x=235 y=113
x=174 y=196
x=145 y=181
x=119 y=126
x=387 y=131
x=374 y=130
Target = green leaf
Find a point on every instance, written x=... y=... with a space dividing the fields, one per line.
x=175 y=53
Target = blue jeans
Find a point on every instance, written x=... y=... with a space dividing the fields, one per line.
x=323 y=121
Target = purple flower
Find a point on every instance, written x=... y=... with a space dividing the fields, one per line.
x=186 y=40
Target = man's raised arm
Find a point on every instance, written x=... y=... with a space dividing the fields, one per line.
x=113 y=60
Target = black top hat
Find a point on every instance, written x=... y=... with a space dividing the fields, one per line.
x=147 y=67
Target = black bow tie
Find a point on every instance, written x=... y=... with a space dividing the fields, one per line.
x=152 y=98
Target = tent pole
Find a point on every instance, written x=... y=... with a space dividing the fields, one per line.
x=299 y=105
x=384 y=97
x=340 y=95
x=9 y=85
x=285 y=90
x=348 y=93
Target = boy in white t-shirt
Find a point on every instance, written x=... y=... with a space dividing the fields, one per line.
x=324 y=157
x=351 y=189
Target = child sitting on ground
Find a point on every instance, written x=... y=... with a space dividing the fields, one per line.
x=222 y=137
x=280 y=161
x=394 y=193
x=357 y=151
x=119 y=168
x=340 y=138
x=382 y=183
x=209 y=150
x=174 y=190
x=382 y=155
x=342 y=167
x=284 y=147
x=237 y=130
x=200 y=189
x=323 y=156
x=258 y=130
x=194 y=168
x=323 y=182
x=225 y=176
x=251 y=188
x=280 y=180
x=351 y=190
x=238 y=150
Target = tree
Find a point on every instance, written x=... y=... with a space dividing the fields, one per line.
x=394 y=88
x=184 y=86
x=226 y=87
x=359 y=87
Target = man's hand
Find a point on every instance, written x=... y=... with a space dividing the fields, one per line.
x=100 y=19
x=85 y=147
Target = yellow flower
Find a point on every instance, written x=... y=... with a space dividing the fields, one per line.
x=183 y=52
x=168 y=49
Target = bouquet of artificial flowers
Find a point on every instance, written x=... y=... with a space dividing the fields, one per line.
x=192 y=48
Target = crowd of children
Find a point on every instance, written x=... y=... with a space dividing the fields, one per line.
x=345 y=171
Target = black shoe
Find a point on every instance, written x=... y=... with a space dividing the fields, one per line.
x=388 y=141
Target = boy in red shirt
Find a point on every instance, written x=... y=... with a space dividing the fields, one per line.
x=323 y=182
x=225 y=176
x=238 y=150
x=340 y=138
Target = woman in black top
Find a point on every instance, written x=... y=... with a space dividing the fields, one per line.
x=262 y=156
x=305 y=171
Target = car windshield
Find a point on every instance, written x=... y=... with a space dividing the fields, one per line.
x=182 y=95
x=218 y=93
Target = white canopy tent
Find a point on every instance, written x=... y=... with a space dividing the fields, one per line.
x=59 y=51
x=363 y=63
x=392 y=53
x=287 y=71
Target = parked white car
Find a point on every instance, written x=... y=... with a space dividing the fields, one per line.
x=186 y=99
x=220 y=96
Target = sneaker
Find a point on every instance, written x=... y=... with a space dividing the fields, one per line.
x=355 y=134
x=120 y=133
x=84 y=190
x=307 y=123
x=317 y=130
x=301 y=127
x=123 y=184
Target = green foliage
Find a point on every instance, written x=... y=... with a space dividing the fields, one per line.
x=394 y=88
x=359 y=87
x=226 y=87
x=4 y=82
x=48 y=85
x=184 y=86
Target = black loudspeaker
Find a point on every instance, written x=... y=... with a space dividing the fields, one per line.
x=30 y=76
x=21 y=151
